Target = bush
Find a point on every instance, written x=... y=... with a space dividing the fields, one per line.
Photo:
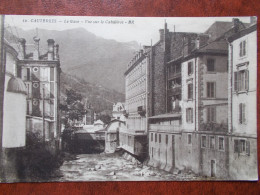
x=39 y=161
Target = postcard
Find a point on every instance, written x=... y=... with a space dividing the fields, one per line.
x=128 y=98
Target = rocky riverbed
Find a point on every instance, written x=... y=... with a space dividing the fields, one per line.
x=114 y=167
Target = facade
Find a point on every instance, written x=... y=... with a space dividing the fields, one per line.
x=134 y=139
x=41 y=74
x=112 y=135
x=190 y=132
x=242 y=104
x=205 y=104
x=14 y=109
x=118 y=111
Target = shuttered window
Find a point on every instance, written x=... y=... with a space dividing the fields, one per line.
x=190 y=68
x=242 y=113
x=242 y=146
x=211 y=114
x=221 y=143
x=242 y=48
x=211 y=90
x=189 y=115
x=241 y=80
x=151 y=137
x=190 y=91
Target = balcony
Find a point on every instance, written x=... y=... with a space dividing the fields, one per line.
x=164 y=128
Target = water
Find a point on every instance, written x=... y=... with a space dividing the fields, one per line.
x=112 y=167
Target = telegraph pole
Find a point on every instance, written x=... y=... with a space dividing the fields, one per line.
x=43 y=113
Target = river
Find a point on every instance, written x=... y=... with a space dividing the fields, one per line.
x=113 y=167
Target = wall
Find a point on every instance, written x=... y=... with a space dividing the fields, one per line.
x=249 y=98
x=159 y=78
x=188 y=103
x=14 y=122
x=219 y=156
x=243 y=166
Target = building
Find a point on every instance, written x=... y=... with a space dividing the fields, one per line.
x=188 y=130
x=112 y=135
x=41 y=74
x=134 y=139
x=242 y=111
x=165 y=127
x=13 y=112
x=118 y=111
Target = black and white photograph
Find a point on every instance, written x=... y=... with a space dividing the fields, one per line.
x=87 y=98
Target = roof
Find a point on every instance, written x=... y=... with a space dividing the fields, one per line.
x=16 y=85
x=168 y=115
x=98 y=122
x=213 y=47
x=243 y=33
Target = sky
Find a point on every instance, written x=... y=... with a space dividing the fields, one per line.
x=122 y=29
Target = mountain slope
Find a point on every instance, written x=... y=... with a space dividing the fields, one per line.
x=87 y=56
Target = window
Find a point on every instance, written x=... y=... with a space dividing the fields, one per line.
x=155 y=137
x=211 y=92
x=203 y=141
x=166 y=139
x=28 y=74
x=241 y=80
x=242 y=146
x=242 y=48
x=221 y=143
x=190 y=68
x=151 y=137
x=189 y=139
x=189 y=115
x=242 y=113
x=210 y=65
x=211 y=114
x=190 y=91
x=160 y=139
x=212 y=142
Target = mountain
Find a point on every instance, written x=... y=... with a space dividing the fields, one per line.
x=101 y=98
x=82 y=53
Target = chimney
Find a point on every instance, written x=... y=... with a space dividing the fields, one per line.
x=236 y=24
x=197 y=43
x=161 y=31
x=22 y=43
x=36 y=53
x=186 y=46
x=50 y=49
x=56 y=52
x=253 y=20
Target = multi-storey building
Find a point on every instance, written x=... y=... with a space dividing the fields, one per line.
x=242 y=103
x=134 y=139
x=41 y=74
x=191 y=133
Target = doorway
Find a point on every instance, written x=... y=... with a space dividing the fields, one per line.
x=213 y=168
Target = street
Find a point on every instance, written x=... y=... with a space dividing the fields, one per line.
x=113 y=167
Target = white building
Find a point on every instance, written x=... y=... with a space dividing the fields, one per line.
x=243 y=103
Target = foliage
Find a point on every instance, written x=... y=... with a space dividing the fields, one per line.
x=72 y=96
x=105 y=118
x=38 y=160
